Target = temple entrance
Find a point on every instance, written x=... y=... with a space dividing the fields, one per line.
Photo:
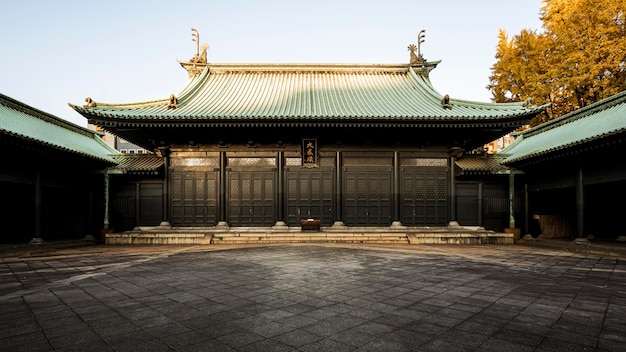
x=424 y=196
x=252 y=193
x=367 y=194
x=251 y=197
x=194 y=198
x=309 y=194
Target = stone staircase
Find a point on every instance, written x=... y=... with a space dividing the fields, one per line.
x=216 y=235
x=306 y=237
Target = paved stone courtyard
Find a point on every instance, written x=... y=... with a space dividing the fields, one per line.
x=312 y=298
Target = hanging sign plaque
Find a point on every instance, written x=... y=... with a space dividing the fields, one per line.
x=309 y=153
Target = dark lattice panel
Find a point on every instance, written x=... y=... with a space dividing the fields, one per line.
x=424 y=196
x=360 y=161
x=252 y=162
x=194 y=162
x=424 y=162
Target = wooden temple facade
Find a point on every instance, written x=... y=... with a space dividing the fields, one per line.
x=350 y=145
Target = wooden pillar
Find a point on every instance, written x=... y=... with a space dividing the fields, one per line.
x=511 y=200
x=395 y=216
x=280 y=192
x=221 y=202
x=165 y=154
x=37 y=239
x=105 y=221
x=338 y=190
x=91 y=220
x=517 y=232
x=526 y=210
x=580 y=204
x=480 y=204
x=137 y=203
x=452 y=190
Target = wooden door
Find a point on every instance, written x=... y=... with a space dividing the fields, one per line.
x=251 y=197
x=424 y=196
x=309 y=194
x=367 y=196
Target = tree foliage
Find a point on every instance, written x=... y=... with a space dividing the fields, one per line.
x=577 y=59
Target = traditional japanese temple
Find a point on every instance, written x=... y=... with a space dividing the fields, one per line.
x=342 y=145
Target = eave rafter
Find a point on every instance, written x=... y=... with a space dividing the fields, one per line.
x=310 y=124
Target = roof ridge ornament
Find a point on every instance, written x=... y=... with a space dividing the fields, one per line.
x=445 y=102
x=419 y=58
x=198 y=62
x=173 y=102
x=199 y=58
x=90 y=103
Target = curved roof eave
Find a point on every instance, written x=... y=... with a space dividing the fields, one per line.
x=354 y=121
x=266 y=92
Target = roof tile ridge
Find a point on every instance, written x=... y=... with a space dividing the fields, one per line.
x=44 y=116
x=289 y=67
x=422 y=82
x=194 y=85
x=578 y=114
x=498 y=106
x=131 y=105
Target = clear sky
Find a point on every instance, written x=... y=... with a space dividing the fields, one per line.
x=59 y=52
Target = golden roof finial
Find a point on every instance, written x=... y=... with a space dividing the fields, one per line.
x=417 y=59
x=199 y=58
x=195 y=36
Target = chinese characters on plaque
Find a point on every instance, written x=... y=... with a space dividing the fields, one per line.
x=309 y=153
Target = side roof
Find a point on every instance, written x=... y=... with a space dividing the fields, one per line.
x=581 y=128
x=24 y=122
x=487 y=164
x=326 y=93
x=137 y=164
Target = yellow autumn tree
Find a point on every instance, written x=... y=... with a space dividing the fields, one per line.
x=577 y=59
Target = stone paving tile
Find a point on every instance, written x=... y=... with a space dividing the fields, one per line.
x=313 y=297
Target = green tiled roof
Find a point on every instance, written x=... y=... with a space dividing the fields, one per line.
x=24 y=122
x=587 y=125
x=481 y=164
x=299 y=92
x=136 y=164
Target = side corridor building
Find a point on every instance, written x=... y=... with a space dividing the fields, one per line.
x=51 y=178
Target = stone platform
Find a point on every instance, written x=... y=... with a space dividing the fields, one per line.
x=221 y=234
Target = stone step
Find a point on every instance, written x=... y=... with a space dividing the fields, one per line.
x=280 y=234
x=309 y=239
